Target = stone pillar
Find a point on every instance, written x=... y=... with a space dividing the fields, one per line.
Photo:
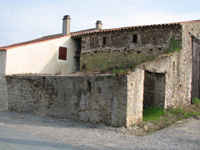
x=3 y=84
x=135 y=92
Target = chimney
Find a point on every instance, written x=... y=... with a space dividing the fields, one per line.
x=66 y=24
x=99 y=24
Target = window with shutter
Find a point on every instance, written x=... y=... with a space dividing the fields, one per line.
x=62 y=53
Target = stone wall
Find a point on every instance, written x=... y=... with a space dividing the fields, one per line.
x=127 y=48
x=168 y=64
x=3 y=85
x=96 y=99
x=177 y=67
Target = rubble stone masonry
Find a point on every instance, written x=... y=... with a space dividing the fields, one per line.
x=108 y=99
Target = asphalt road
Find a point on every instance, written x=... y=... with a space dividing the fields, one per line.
x=28 y=132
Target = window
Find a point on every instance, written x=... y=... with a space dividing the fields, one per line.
x=104 y=41
x=135 y=38
x=62 y=53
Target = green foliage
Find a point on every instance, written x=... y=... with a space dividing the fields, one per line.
x=196 y=101
x=157 y=114
x=153 y=113
x=174 y=45
x=183 y=114
x=180 y=113
x=157 y=118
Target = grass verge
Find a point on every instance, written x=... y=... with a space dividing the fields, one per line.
x=157 y=118
x=153 y=113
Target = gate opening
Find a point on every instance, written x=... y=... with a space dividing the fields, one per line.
x=154 y=90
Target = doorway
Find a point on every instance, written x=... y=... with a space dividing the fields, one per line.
x=154 y=90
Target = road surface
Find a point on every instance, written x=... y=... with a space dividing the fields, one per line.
x=29 y=132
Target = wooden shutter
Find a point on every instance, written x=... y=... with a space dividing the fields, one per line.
x=62 y=53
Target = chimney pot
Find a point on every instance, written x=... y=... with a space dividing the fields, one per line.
x=99 y=24
x=66 y=17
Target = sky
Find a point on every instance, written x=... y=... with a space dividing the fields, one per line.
x=23 y=20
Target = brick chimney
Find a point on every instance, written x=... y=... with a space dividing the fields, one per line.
x=66 y=24
x=99 y=24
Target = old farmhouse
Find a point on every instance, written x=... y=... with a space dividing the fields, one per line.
x=120 y=72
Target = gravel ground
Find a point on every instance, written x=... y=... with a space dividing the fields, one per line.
x=26 y=131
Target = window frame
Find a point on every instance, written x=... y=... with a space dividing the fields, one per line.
x=62 y=53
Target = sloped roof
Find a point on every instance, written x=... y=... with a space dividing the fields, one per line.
x=45 y=38
x=94 y=31
x=78 y=34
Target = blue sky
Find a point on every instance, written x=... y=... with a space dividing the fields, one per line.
x=23 y=20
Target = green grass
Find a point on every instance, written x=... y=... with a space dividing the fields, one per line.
x=196 y=101
x=115 y=62
x=162 y=118
x=181 y=113
x=156 y=118
x=152 y=114
x=156 y=114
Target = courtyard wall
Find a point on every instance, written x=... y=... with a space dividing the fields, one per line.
x=108 y=99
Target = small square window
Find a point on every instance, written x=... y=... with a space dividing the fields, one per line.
x=62 y=53
x=135 y=38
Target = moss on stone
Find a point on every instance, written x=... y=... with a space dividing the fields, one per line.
x=174 y=45
x=114 y=62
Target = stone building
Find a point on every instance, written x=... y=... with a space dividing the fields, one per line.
x=161 y=65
